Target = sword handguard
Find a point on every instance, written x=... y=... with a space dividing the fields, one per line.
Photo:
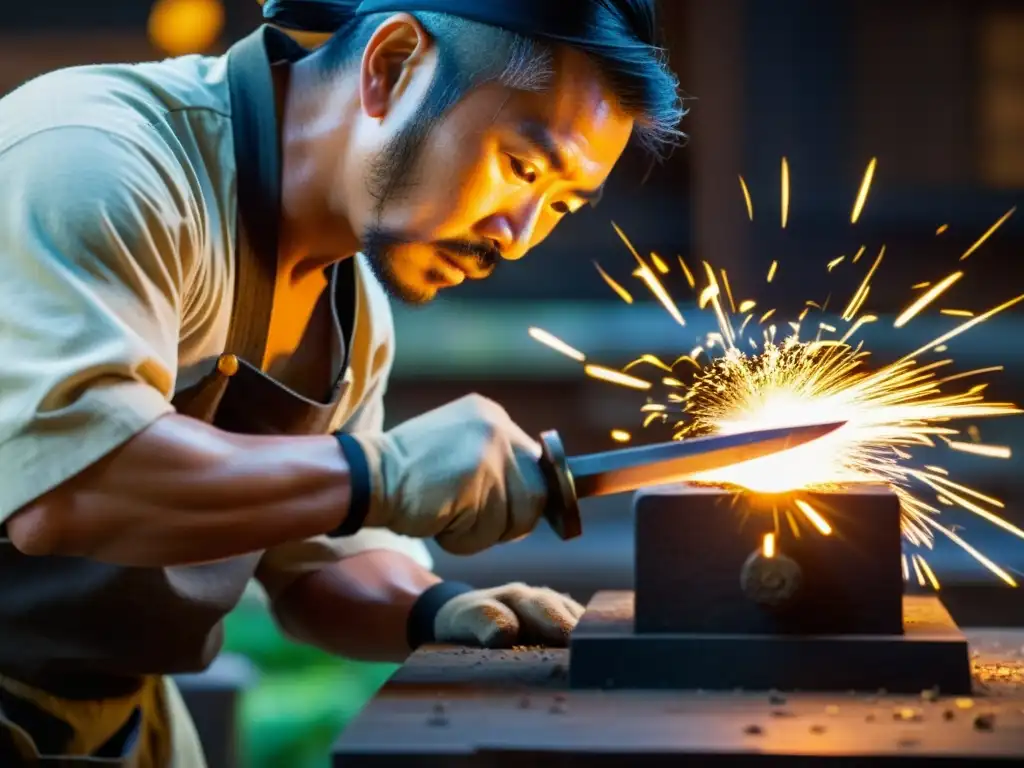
x=562 y=510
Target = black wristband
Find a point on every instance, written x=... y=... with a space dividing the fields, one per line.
x=359 y=478
x=419 y=628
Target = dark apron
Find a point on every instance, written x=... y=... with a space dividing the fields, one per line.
x=234 y=395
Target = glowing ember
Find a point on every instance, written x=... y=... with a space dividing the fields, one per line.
x=814 y=516
x=988 y=233
x=862 y=195
x=751 y=375
x=785 y=195
x=622 y=292
x=539 y=334
x=616 y=377
x=746 y=197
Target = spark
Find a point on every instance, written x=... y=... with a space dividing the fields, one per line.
x=785 y=194
x=966 y=374
x=768 y=545
x=650 y=360
x=925 y=299
x=990 y=451
x=988 y=233
x=555 y=343
x=615 y=377
x=687 y=273
x=835 y=263
x=965 y=326
x=728 y=290
x=712 y=298
x=917 y=570
x=862 y=195
x=621 y=436
x=928 y=572
x=659 y=265
x=858 y=298
x=942 y=228
x=746 y=197
x=622 y=292
x=857 y=325
x=971 y=551
x=906 y=573
x=896 y=414
x=646 y=274
x=814 y=516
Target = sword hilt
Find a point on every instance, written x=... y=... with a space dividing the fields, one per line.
x=562 y=510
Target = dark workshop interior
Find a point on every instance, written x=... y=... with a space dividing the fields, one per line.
x=932 y=89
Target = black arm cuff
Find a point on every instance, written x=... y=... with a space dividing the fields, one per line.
x=359 y=477
x=419 y=629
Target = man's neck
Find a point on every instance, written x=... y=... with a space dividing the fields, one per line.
x=314 y=229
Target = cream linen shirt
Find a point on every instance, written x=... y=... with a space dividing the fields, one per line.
x=117 y=273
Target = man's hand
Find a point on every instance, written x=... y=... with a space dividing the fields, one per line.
x=463 y=473
x=515 y=614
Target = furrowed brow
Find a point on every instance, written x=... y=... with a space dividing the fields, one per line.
x=540 y=138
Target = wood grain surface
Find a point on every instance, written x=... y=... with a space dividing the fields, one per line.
x=468 y=707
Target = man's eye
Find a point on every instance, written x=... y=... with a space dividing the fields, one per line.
x=520 y=169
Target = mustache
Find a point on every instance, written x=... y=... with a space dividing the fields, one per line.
x=485 y=257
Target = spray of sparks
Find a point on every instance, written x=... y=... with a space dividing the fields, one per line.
x=756 y=373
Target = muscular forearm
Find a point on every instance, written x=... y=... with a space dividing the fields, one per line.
x=184 y=492
x=357 y=607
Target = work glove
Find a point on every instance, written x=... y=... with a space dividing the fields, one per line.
x=513 y=614
x=463 y=473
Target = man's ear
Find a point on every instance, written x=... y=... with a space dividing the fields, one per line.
x=396 y=48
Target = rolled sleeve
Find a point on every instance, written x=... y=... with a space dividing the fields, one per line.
x=93 y=228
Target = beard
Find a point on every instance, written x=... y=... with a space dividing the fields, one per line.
x=379 y=246
x=393 y=174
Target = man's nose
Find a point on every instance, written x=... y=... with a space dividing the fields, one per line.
x=512 y=232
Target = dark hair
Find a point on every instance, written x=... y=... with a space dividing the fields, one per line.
x=620 y=40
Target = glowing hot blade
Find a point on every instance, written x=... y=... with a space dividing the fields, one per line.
x=628 y=469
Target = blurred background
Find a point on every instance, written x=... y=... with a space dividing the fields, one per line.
x=934 y=89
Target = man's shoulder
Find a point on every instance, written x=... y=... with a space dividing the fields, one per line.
x=183 y=103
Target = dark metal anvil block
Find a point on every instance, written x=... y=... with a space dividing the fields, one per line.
x=823 y=612
x=698 y=567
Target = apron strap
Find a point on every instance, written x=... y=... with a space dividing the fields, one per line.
x=258 y=168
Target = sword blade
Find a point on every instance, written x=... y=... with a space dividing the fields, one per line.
x=627 y=469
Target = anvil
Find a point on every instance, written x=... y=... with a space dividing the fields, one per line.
x=712 y=611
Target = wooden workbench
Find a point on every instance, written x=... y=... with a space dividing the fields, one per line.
x=467 y=707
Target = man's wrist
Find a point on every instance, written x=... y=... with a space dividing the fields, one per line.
x=359 y=485
x=420 y=624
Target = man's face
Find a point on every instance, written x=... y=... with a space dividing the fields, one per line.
x=487 y=182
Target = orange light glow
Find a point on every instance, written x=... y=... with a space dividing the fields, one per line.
x=750 y=374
